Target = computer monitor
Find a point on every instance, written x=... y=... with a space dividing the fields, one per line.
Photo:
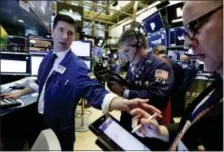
x=82 y=48
x=13 y=66
x=89 y=64
x=153 y=23
x=35 y=63
x=158 y=38
x=176 y=37
x=100 y=42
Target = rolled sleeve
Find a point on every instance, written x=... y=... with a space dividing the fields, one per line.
x=34 y=86
x=106 y=102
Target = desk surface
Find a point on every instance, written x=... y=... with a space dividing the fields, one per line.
x=27 y=100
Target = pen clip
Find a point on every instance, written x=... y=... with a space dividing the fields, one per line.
x=66 y=82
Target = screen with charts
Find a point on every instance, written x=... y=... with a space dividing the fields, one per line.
x=81 y=48
x=153 y=23
x=13 y=66
x=88 y=63
x=158 y=38
x=176 y=37
x=35 y=63
x=119 y=135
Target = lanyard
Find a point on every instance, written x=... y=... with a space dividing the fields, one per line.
x=198 y=114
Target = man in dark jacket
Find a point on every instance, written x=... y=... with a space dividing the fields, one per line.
x=148 y=75
x=201 y=126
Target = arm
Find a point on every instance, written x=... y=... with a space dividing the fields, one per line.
x=158 y=86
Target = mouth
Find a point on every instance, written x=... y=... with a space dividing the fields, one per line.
x=62 y=43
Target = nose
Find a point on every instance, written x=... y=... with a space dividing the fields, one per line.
x=190 y=43
x=65 y=36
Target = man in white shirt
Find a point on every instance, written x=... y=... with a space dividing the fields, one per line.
x=62 y=80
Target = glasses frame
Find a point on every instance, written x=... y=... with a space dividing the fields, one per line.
x=194 y=25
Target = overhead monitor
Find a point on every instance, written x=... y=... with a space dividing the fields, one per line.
x=158 y=38
x=100 y=42
x=13 y=66
x=176 y=37
x=35 y=63
x=153 y=23
x=81 y=48
x=88 y=64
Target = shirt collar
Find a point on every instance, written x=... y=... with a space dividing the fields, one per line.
x=61 y=54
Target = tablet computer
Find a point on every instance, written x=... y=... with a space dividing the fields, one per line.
x=115 y=135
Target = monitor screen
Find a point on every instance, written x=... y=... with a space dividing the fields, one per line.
x=13 y=66
x=81 y=48
x=35 y=63
x=176 y=37
x=119 y=135
x=88 y=63
x=100 y=43
x=158 y=38
x=153 y=23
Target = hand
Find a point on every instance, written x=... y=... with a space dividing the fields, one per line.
x=13 y=95
x=122 y=104
x=201 y=148
x=151 y=128
x=117 y=88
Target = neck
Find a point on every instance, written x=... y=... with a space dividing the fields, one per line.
x=56 y=49
x=139 y=56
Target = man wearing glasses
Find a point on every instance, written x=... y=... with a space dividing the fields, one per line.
x=201 y=126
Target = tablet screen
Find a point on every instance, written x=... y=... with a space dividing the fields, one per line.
x=120 y=136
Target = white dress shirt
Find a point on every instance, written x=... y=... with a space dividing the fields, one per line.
x=60 y=56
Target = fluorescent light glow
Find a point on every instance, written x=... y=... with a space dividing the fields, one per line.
x=21 y=21
x=177 y=20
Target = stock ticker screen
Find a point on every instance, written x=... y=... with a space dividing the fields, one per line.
x=157 y=38
x=176 y=37
x=153 y=23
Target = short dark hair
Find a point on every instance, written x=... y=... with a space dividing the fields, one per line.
x=64 y=18
x=132 y=36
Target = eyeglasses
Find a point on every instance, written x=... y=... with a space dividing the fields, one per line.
x=193 y=26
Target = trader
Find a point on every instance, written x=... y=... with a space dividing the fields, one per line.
x=201 y=126
x=149 y=76
x=62 y=80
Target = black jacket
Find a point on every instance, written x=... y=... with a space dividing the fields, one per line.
x=207 y=131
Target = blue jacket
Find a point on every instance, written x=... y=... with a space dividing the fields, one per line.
x=151 y=79
x=61 y=98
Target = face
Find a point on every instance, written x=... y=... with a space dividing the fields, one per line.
x=129 y=51
x=63 y=36
x=207 y=42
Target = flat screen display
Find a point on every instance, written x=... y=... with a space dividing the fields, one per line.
x=153 y=23
x=120 y=136
x=35 y=63
x=176 y=37
x=158 y=38
x=81 y=48
x=13 y=66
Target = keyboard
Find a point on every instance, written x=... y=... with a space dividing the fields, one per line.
x=9 y=103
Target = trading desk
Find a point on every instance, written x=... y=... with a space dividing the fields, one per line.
x=16 y=122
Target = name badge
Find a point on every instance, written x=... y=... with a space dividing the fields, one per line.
x=60 y=69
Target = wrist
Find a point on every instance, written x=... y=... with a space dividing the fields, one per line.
x=118 y=103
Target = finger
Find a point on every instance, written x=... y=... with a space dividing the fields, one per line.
x=135 y=121
x=148 y=122
x=150 y=108
x=201 y=148
x=140 y=112
x=4 y=94
x=142 y=100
